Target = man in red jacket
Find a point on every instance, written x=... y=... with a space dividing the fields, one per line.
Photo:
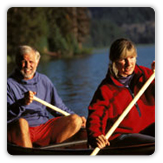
x=123 y=81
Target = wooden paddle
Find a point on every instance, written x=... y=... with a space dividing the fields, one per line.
x=50 y=106
x=126 y=111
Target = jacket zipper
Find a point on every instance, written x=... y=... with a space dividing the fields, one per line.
x=136 y=104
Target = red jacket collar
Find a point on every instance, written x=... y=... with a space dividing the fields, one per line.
x=116 y=82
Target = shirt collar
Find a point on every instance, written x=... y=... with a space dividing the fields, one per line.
x=116 y=81
x=19 y=77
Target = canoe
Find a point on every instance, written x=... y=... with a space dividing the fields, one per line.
x=143 y=149
x=77 y=145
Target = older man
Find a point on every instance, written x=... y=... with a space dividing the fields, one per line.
x=28 y=121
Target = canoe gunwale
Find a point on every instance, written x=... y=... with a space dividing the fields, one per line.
x=143 y=149
x=64 y=144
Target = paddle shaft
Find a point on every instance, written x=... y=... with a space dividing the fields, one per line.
x=50 y=106
x=126 y=111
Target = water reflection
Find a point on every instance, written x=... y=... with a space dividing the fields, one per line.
x=76 y=79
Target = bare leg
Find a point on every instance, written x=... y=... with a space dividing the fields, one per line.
x=66 y=127
x=18 y=133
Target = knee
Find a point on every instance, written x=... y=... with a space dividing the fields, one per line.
x=76 y=120
x=17 y=129
x=23 y=122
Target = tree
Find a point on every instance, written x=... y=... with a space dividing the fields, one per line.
x=51 y=30
x=25 y=26
x=69 y=27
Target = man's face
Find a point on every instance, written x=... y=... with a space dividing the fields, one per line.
x=28 y=65
x=126 y=65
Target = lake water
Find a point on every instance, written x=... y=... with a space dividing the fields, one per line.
x=77 y=79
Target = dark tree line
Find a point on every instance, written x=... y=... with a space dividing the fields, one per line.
x=68 y=31
x=109 y=23
x=53 y=30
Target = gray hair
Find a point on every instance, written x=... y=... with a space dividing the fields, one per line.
x=25 y=49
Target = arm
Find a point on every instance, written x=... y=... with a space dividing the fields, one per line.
x=14 y=107
x=97 y=118
x=16 y=103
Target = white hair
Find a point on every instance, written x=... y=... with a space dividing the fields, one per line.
x=25 y=49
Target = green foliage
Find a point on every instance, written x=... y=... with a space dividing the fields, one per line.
x=69 y=31
x=103 y=32
x=25 y=26
x=50 y=30
x=56 y=41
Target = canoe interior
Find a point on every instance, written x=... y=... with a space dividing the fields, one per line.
x=77 y=145
x=144 y=149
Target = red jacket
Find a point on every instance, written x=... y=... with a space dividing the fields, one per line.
x=111 y=99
